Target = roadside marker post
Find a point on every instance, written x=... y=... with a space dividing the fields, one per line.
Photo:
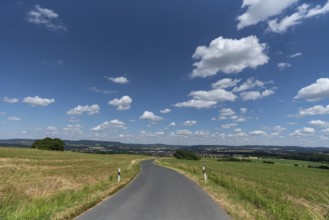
x=119 y=174
x=204 y=173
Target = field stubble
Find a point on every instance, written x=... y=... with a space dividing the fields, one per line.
x=37 y=184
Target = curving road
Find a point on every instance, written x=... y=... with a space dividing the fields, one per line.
x=157 y=193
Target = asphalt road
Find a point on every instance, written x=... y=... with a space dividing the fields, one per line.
x=157 y=193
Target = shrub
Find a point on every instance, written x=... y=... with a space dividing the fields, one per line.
x=319 y=167
x=234 y=159
x=55 y=144
x=187 y=155
x=269 y=162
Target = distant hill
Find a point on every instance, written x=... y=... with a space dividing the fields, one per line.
x=264 y=148
x=114 y=146
x=16 y=142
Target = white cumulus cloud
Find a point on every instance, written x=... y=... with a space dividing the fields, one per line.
x=189 y=123
x=254 y=95
x=38 y=101
x=45 y=17
x=243 y=110
x=319 y=123
x=165 y=111
x=14 y=118
x=225 y=112
x=229 y=125
x=258 y=11
x=119 y=80
x=315 y=110
x=229 y=56
x=303 y=12
x=271 y=11
x=106 y=92
x=295 y=55
x=318 y=10
x=257 y=132
x=325 y=130
x=279 y=129
x=283 y=66
x=88 y=109
x=315 y=92
x=51 y=128
x=150 y=116
x=10 y=100
x=249 y=84
x=75 y=129
x=288 y=21
x=124 y=103
x=225 y=83
x=100 y=127
x=217 y=95
x=107 y=124
x=207 y=99
x=193 y=103
x=183 y=132
x=305 y=131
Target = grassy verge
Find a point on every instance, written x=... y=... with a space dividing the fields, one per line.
x=257 y=190
x=37 y=184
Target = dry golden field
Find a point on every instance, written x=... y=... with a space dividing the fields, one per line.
x=36 y=184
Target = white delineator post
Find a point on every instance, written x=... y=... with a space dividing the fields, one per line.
x=204 y=173
x=119 y=173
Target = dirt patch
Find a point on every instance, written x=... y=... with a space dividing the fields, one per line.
x=315 y=209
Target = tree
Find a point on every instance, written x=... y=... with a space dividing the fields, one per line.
x=187 y=155
x=49 y=144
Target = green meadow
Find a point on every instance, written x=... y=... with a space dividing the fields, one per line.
x=37 y=184
x=287 y=189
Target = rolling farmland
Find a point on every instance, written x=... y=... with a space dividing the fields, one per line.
x=39 y=184
x=287 y=189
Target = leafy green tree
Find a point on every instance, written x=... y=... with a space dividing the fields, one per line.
x=55 y=144
x=187 y=155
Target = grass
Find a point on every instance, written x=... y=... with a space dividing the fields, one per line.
x=256 y=190
x=36 y=184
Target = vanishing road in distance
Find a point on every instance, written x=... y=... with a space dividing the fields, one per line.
x=157 y=193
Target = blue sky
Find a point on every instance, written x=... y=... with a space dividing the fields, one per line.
x=202 y=72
